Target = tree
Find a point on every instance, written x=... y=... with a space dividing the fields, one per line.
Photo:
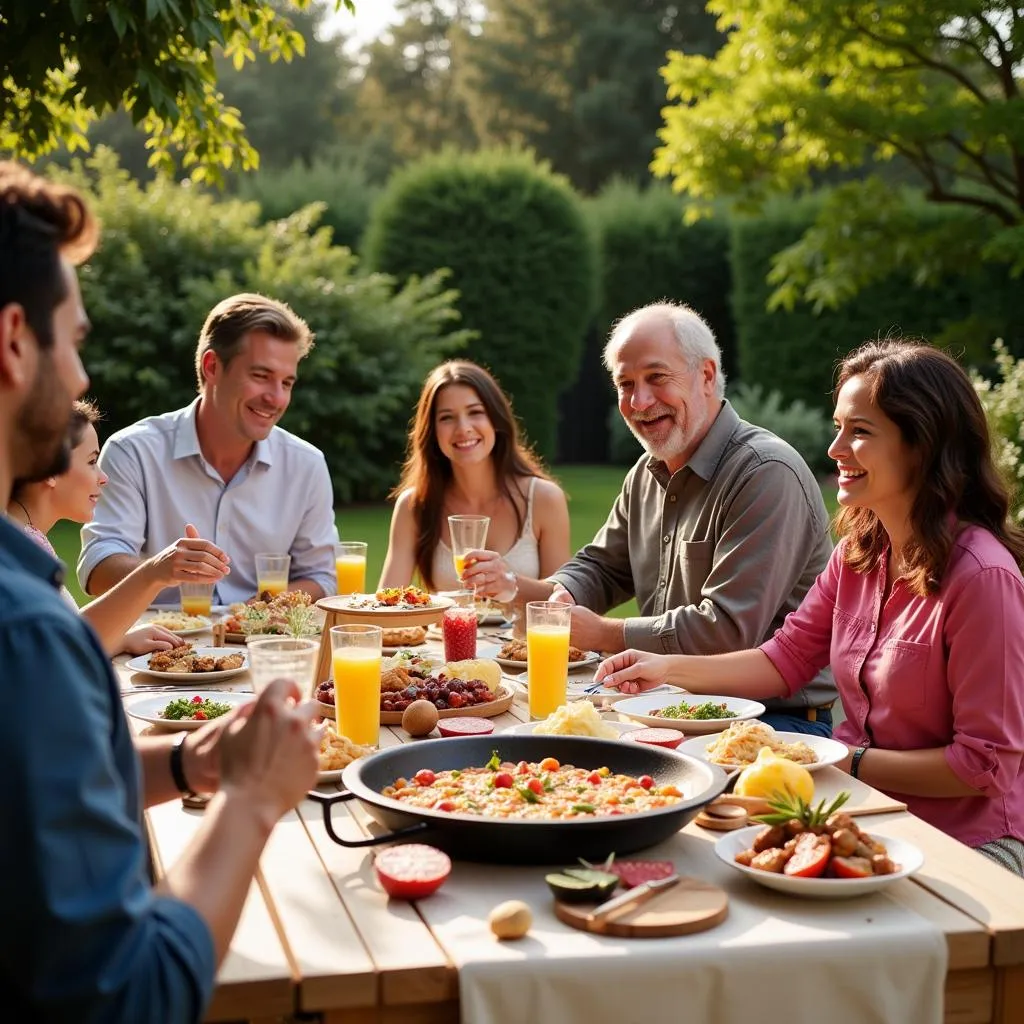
x=576 y=80
x=65 y=62
x=803 y=87
x=410 y=94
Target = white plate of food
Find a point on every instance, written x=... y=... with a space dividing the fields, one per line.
x=905 y=858
x=391 y=608
x=179 y=623
x=211 y=704
x=738 y=746
x=528 y=729
x=336 y=753
x=698 y=715
x=577 y=659
x=190 y=664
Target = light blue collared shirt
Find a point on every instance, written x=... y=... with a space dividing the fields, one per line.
x=280 y=501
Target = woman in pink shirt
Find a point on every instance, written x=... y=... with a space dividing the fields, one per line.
x=920 y=611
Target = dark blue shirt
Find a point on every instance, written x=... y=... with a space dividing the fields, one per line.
x=82 y=935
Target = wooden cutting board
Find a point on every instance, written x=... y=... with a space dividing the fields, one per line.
x=690 y=906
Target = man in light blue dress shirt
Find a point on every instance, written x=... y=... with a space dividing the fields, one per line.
x=222 y=465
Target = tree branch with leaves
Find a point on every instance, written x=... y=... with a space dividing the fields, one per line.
x=63 y=63
x=804 y=90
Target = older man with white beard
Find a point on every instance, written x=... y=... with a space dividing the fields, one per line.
x=719 y=529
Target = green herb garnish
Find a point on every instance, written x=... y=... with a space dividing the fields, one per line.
x=184 y=709
x=695 y=712
x=528 y=795
x=494 y=764
x=584 y=808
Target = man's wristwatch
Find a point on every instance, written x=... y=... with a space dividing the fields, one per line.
x=178 y=768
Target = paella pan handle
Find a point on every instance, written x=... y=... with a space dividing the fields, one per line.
x=328 y=800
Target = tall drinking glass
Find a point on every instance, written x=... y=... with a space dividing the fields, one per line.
x=355 y=653
x=196 y=598
x=547 y=655
x=468 y=533
x=350 y=564
x=272 y=573
x=283 y=657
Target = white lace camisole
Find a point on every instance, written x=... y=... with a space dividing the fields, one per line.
x=523 y=558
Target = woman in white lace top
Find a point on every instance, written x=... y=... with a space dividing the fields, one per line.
x=465 y=457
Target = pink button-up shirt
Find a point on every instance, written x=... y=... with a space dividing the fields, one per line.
x=922 y=672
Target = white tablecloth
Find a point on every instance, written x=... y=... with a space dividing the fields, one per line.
x=774 y=958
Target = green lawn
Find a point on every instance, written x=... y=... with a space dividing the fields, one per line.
x=590 y=489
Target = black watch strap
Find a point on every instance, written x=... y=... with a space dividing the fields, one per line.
x=178 y=768
x=855 y=761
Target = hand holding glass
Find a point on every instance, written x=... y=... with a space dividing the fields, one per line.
x=355 y=655
x=272 y=573
x=282 y=657
x=547 y=655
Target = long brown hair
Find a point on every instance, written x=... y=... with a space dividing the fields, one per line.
x=932 y=401
x=428 y=472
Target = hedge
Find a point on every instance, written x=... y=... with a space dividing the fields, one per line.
x=648 y=253
x=342 y=186
x=170 y=252
x=515 y=239
x=795 y=352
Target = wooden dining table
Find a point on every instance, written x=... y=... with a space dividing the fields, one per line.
x=317 y=935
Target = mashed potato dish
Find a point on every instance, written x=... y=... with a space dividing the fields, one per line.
x=579 y=719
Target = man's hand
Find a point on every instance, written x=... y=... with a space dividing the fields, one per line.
x=561 y=596
x=271 y=755
x=190 y=559
x=632 y=671
x=200 y=755
x=591 y=632
x=149 y=638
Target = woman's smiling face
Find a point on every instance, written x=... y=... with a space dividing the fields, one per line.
x=877 y=468
x=464 y=431
x=76 y=492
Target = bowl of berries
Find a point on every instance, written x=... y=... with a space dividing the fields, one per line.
x=452 y=697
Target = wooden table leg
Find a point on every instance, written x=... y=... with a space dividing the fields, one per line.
x=1009 y=995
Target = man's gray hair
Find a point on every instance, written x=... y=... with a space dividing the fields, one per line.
x=695 y=337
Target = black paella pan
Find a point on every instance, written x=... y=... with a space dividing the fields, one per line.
x=512 y=841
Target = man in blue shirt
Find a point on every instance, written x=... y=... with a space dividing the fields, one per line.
x=83 y=935
x=222 y=464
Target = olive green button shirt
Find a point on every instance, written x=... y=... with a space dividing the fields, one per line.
x=716 y=554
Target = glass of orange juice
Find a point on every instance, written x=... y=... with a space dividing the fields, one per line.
x=272 y=574
x=283 y=657
x=468 y=533
x=196 y=598
x=350 y=563
x=547 y=655
x=355 y=656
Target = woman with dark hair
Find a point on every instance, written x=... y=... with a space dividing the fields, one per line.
x=73 y=494
x=465 y=457
x=920 y=611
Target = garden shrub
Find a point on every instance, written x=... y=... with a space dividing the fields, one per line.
x=170 y=252
x=341 y=185
x=515 y=239
x=795 y=352
x=1003 y=399
x=805 y=427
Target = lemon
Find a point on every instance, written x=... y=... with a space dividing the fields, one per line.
x=771 y=774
